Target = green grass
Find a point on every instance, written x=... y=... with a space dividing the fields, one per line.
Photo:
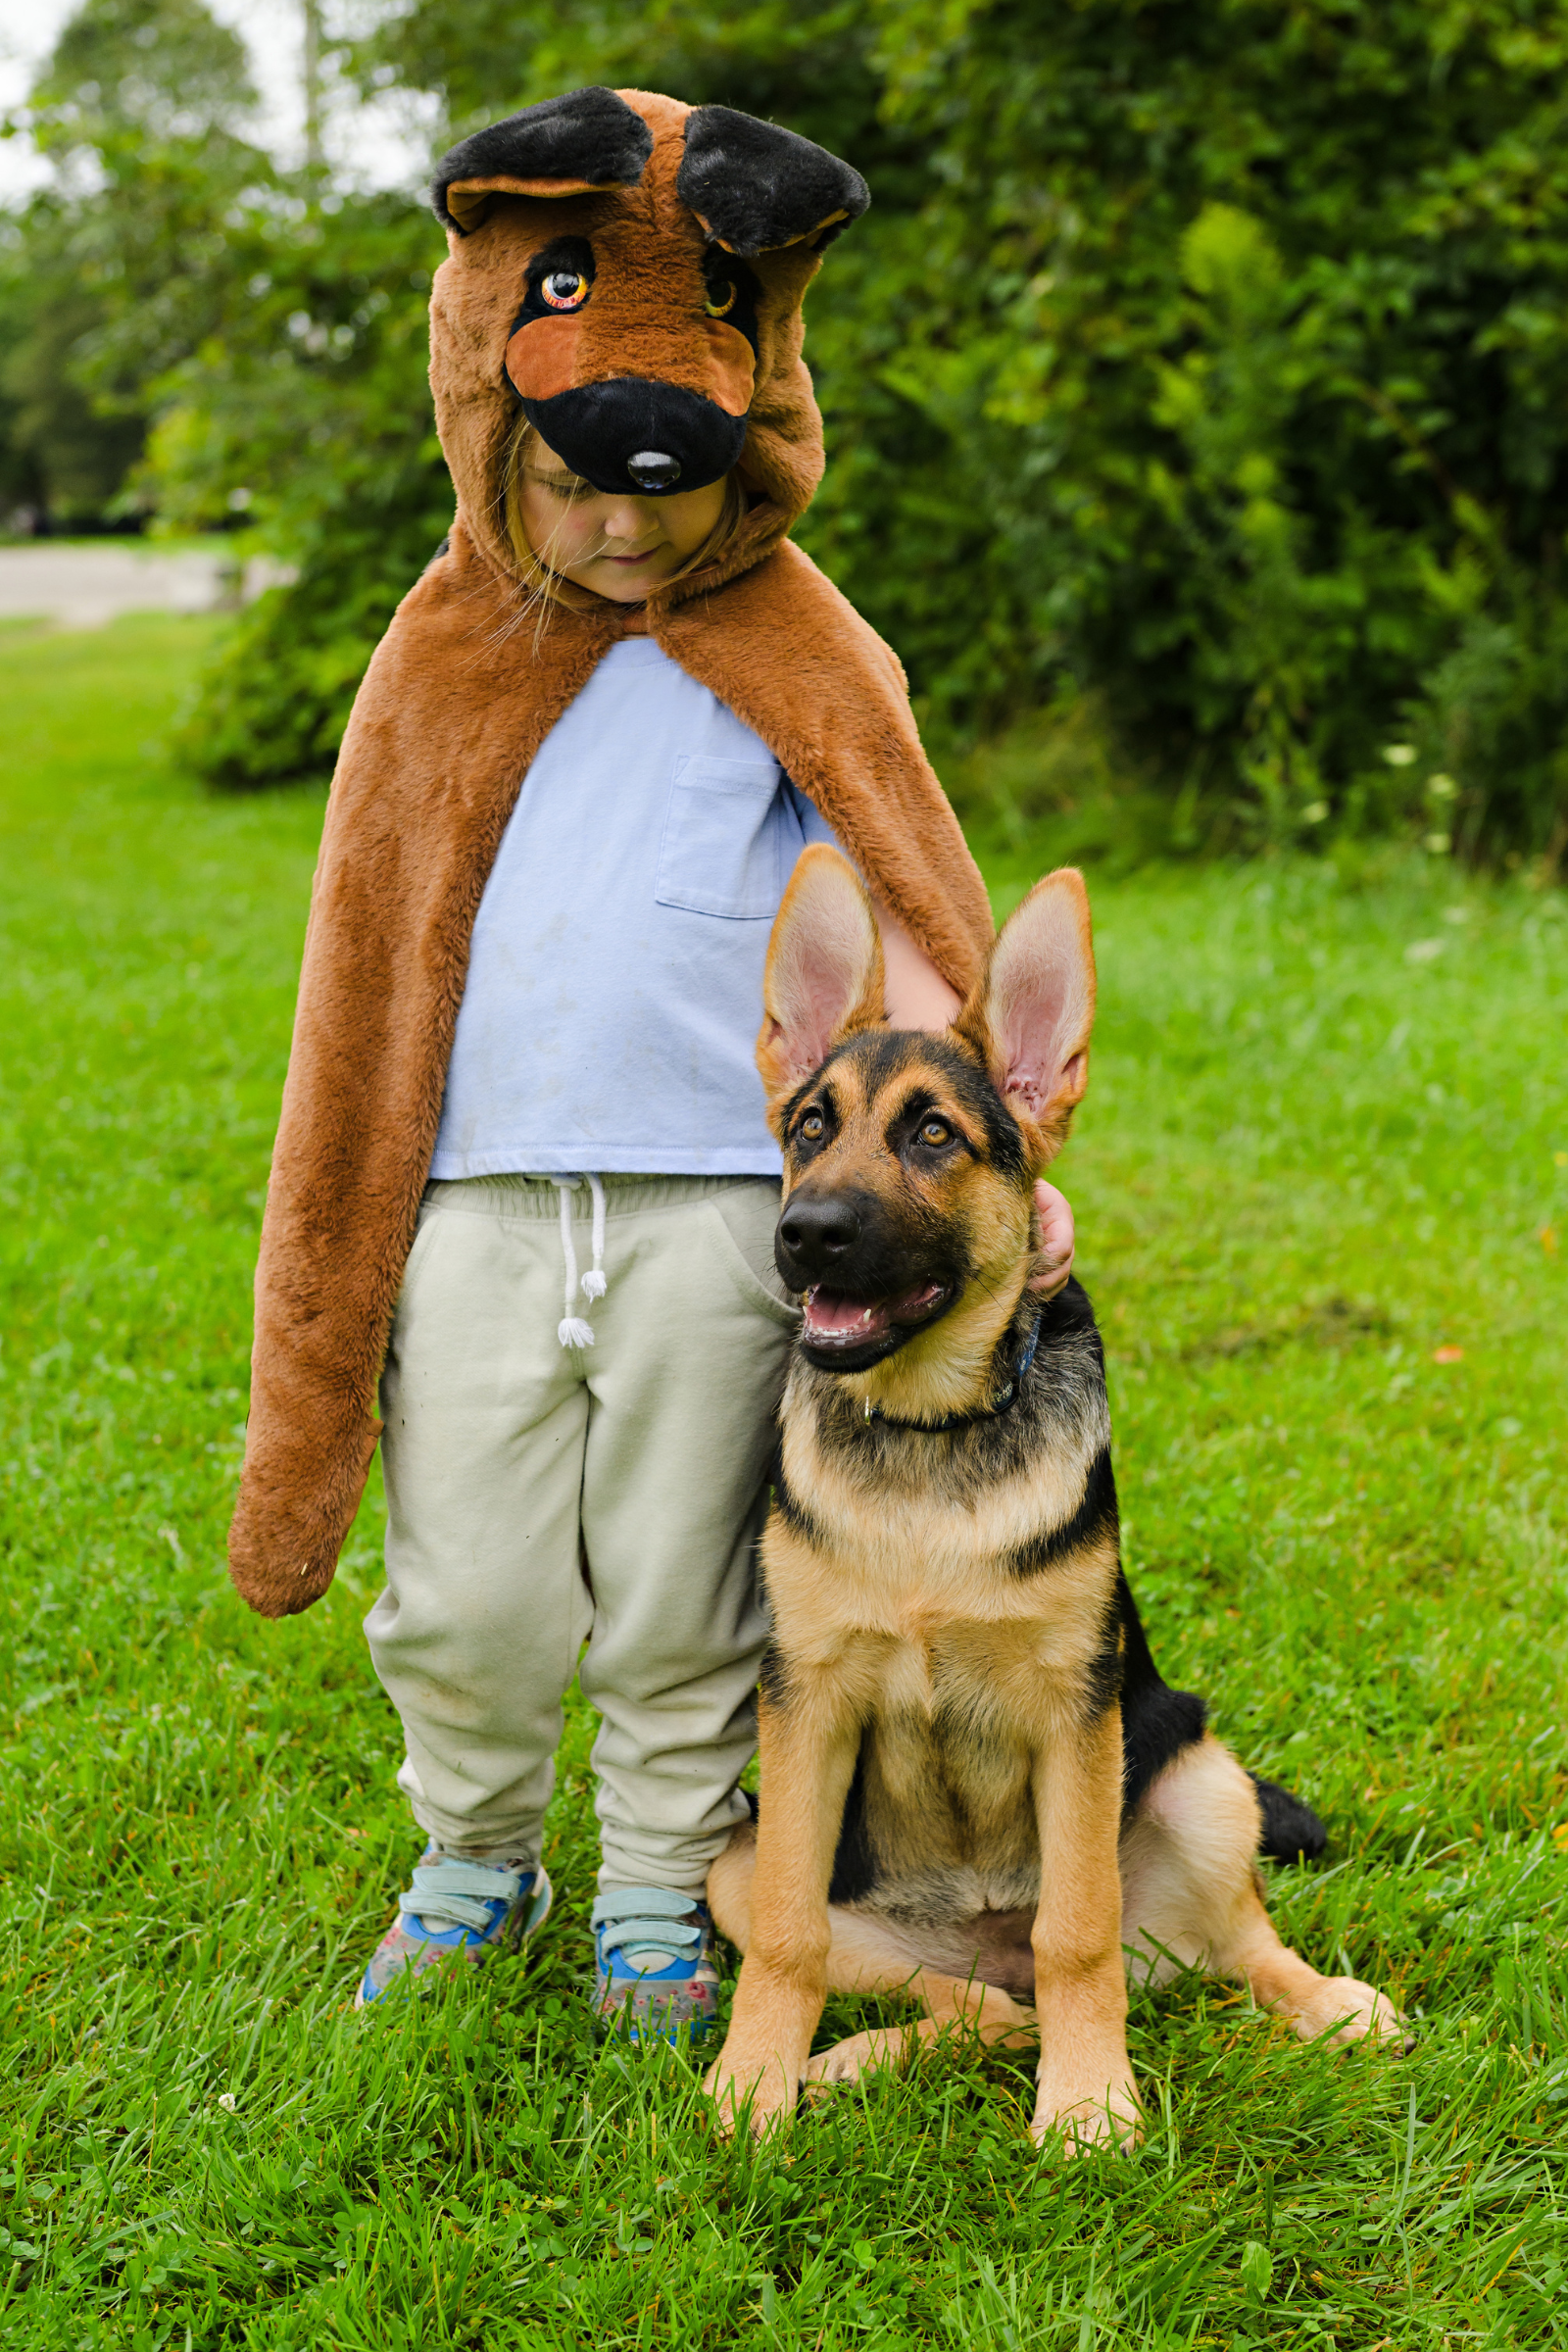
x=1325 y=1137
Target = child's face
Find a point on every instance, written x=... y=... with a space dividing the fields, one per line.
x=617 y=545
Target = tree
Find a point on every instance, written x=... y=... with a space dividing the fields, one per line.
x=106 y=275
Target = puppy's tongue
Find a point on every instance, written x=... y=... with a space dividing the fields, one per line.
x=830 y=1315
x=833 y=1315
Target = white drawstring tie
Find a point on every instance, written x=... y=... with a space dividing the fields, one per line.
x=574 y=1331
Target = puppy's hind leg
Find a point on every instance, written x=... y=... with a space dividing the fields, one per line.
x=869 y=1956
x=866 y=1956
x=1191 y=1897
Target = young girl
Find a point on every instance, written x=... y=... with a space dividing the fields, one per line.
x=527 y=1018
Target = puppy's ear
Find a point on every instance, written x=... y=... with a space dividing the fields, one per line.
x=1031 y=1013
x=757 y=188
x=588 y=141
x=824 y=979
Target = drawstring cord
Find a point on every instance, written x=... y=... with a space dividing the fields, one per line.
x=594 y=1284
x=574 y=1330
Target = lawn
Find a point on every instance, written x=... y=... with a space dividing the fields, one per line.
x=1322 y=1188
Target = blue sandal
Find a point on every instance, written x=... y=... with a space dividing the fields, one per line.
x=654 y=1973
x=465 y=1908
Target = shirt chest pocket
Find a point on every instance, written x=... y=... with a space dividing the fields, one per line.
x=725 y=849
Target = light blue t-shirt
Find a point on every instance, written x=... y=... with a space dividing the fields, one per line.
x=614 y=985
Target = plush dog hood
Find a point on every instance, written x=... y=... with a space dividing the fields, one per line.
x=664 y=251
x=630 y=271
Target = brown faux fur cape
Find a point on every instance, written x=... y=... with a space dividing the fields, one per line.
x=462 y=693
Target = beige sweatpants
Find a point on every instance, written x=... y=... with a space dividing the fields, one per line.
x=541 y=1496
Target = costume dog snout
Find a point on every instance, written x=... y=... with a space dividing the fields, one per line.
x=637 y=436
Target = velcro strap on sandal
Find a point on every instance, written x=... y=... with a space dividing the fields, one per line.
x=649 y=1926
x=459 y=1893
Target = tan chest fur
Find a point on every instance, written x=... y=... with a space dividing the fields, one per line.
x=900 y=1600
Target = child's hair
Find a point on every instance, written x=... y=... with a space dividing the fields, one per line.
x=546 y=586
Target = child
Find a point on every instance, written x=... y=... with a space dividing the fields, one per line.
x=526 y=1021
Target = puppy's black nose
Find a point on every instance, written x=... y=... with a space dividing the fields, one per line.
x=818 y=1234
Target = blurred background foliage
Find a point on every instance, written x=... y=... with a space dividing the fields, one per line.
x=1195 y=389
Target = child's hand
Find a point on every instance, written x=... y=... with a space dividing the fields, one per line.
x=1053 y=1265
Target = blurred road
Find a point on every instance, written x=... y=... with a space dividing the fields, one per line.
x=81 y=585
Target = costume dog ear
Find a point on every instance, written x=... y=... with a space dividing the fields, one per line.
x=588 y=141
x=1032 y=1011
x=823 y=978
x=754 y=187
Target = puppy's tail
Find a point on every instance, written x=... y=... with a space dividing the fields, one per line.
x=1291 y=1831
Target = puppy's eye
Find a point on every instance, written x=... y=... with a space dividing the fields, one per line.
x=565 y=289
x=812 y=1128
x=720 y=299
x=935 y=1132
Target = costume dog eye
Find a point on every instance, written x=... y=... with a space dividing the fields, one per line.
x=812 y=1128
x=720 y=298
x=935 y=1132
x=565 y=289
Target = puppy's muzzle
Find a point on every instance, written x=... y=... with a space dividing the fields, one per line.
x=863 y=1296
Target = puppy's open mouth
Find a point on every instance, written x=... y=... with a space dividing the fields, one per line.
x=836 y=1322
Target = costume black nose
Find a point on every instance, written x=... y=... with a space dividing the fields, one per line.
x=818 y=1234
x=635 y=435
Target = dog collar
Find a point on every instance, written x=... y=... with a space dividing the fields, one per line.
x=985 y=1412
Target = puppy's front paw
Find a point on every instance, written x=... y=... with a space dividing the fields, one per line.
x=1110 y=2117
x=759 y=2090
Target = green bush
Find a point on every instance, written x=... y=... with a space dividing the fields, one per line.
x=309 y=414
x=276 y=694
x=1242 y=328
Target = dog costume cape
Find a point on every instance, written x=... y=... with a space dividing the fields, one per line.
x=631 y=269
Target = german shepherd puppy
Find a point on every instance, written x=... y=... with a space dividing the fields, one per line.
x=975 y=1785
